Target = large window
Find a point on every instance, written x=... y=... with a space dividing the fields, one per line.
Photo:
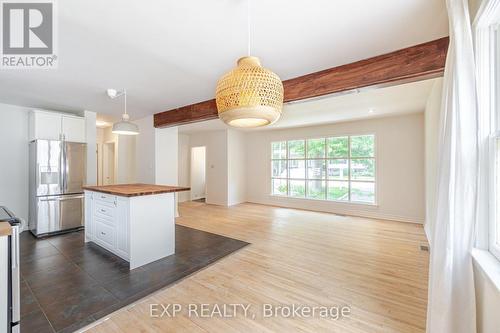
x=494 y=228
x=334 y=168
x=495 y=222
x=487 y=46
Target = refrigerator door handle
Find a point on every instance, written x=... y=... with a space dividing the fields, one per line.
x=61 y=167
x=45 y=200
x=15 y=252
x=15 y=279
x=71 y=197
x=65 y=166
x=64 y=197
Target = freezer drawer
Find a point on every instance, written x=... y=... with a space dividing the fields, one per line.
x=59 y=213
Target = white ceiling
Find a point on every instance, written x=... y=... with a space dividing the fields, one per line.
x=171 y=53
x=383 y=102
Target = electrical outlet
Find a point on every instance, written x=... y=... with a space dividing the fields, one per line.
x=424 y=247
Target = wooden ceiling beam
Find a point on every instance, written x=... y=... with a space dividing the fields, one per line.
x=411 y=64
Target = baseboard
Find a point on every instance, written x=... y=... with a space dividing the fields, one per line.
x=372 y=214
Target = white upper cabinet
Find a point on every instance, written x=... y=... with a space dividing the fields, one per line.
x=73 y=129
x=45 y=125
x=56 y=126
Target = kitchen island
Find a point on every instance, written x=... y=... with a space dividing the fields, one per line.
x=134 y=221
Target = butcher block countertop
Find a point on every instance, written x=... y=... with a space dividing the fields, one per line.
x=134 y=190
x=5 y=229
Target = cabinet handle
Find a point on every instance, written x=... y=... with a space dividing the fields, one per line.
x=103 y=210
x=103 y=233
x=103 y=197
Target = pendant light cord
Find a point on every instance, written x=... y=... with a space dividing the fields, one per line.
x=248 y=28
x=125 y=97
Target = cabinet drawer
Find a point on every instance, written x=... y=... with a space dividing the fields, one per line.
x=105 y=234
x=105 y=211
x=105 y=197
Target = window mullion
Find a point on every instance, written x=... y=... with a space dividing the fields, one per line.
x=306 y=168
x=287 y=155
x=322 y=164
x=349 y=167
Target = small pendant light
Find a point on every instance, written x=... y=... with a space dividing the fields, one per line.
x=123 y=127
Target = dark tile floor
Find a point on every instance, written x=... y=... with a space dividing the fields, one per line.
x=67 y=284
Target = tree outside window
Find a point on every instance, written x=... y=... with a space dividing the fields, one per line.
x=333 y=168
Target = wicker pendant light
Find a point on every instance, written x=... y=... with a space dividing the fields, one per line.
x=249 y=95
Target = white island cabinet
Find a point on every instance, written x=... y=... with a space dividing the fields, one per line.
x=134 y=221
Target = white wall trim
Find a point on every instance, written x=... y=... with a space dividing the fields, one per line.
x=350 y=211
x=489 y=265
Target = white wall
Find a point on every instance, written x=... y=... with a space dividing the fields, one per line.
x=166 y=156
x=91 y=139
x=217 y=165
x=184 y=167
x=400 y=167
x=487 y=302
x=109 y=137
x=99 y=143
x=14 y=159
x=125 y=155
x=145 y=151
x=236 y=159
x=216 y=175
x=432 y=118
x=125 y=159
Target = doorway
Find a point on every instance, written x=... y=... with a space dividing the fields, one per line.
x=198 y=173
x=108 y=163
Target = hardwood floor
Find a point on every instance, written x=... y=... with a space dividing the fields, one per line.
x=296 y=257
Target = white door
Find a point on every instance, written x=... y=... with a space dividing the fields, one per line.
x=108 y=163
x=198 y=169
x=73 y=129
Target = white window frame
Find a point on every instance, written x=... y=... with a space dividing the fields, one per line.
x=349 y=180
x=494 y=218
x=487 y=50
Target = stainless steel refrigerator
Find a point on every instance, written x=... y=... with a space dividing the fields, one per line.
x=57 y=174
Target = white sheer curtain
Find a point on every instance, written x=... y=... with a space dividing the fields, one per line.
x=451 y=307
